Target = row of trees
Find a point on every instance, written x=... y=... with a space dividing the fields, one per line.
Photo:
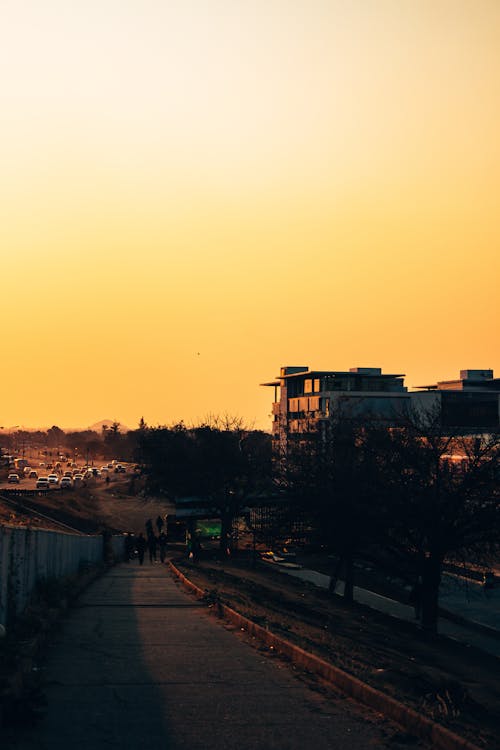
x=411 y=497
x=220 y=461
x=110 y=442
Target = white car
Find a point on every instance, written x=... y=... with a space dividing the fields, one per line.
x=42 y=483
x=13 y=479
x=53 y=479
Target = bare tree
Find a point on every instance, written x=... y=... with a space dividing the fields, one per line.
x=444 y=500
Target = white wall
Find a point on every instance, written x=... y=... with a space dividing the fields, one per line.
x=29 y=555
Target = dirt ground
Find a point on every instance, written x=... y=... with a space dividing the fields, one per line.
x=455 y=685
x=89 y=510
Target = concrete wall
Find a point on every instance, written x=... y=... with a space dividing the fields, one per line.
x=28 y=556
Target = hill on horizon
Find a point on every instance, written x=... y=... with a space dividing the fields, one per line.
x=97 y=426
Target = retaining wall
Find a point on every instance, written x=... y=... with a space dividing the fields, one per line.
x=30 y=555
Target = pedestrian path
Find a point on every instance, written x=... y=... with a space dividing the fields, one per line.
x=139 y=663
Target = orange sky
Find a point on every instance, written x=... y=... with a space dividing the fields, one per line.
x=195 y=193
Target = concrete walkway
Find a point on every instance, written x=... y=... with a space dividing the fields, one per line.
x=139 y=663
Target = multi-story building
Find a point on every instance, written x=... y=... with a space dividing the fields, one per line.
x=470 y=404
x=303 y=398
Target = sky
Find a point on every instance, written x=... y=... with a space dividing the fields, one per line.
x=194 y=193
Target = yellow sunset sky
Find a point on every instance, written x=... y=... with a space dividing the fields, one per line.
x=196 y=192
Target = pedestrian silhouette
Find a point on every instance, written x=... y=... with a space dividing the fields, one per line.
x=152 y=548
x=162 y=542
x=140 y=544
x=129 y=547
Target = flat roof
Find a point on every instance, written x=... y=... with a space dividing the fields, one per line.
x=312 y=373
x=478 y=381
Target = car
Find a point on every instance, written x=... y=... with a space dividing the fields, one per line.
x=13 y=479
x=77 y=480
x=53 y=479
x=67 y=474
x=33 y=474
x=42 y=483
x=26 y=471
x=66 y=482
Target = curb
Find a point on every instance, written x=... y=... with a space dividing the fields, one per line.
x=413 y=722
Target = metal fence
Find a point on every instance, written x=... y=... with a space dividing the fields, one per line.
x=28 y=556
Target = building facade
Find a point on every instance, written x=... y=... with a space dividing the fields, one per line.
x=303 y=398
x=470 y=404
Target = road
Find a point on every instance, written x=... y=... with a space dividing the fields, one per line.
x=140 y=663
x=467 y=600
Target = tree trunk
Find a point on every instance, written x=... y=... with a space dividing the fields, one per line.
x=335 y=577
x=431 y=580
x=349 y=578
x=225 y=530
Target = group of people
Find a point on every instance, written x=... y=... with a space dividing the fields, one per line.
x=136 y=546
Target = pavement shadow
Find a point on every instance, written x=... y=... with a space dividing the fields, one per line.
x=97 y=671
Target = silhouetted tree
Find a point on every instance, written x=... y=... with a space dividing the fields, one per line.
x=333 y=476
x=220 y=461
x=445 y=496
x=55 y=437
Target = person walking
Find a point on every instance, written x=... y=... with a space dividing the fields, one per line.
x=162 y=543
x=140 y=544
x=159 y=524
x=129 y=547
x=152 y=544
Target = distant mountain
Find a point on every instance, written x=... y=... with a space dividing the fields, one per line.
x=97 y=426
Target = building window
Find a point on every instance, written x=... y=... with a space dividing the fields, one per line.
x=308 y=385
